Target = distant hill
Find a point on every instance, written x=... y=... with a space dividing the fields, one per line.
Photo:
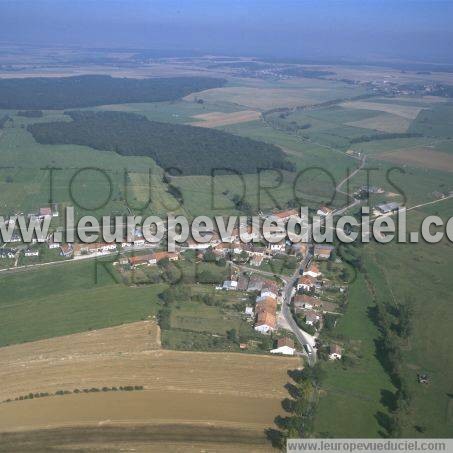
x=193 y=150
x=42 y=93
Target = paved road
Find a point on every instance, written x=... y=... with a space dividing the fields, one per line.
x=302 y=337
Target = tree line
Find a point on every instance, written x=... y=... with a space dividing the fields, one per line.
x=300 y=407
x=55 y=93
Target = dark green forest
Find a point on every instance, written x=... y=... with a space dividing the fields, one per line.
x=30 y=113
x=192 y=150
x=53 y=93
x=3 y=120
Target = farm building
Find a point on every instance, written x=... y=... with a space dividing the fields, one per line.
x=31 y=252
x=230 y=285
x=265 y=322
x=323 y=251
x=255 y=283
x=285 y=346
x=311 y=317
x=171 y=256
x=243 y=282
x=142 y=260
x=306 y=283
x=387 y=208
x=313 y=271
x=66 y=250
x=303 y=301
x=335 y=352
x=285 y=215
x=324 y=211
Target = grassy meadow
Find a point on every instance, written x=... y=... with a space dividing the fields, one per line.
x=353 y=399
x=419 y=275
x=68 y=298
x=356 y=398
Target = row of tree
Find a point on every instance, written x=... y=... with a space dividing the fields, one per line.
x=395 y=326
x=301 y=406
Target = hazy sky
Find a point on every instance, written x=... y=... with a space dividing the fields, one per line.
x=350 y=28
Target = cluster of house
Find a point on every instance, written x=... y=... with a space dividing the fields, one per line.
x=98 y=248
x=39 y=215
x=149 y=259
x=76 y=249
x=240 y=240
x=266 y=308
x=265 y=311
x=11 y=253
x=7 y=253
x=311 y=307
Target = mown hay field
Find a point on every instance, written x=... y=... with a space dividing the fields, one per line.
x=222 y=389
x=215 y=119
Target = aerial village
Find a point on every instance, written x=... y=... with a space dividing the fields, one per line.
x=294 y=290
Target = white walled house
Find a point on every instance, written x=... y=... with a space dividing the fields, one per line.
x=335 y=352
x=285 y=346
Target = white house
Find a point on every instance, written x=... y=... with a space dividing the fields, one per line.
x=230 y=285
x=53 y=245
x=265 y=322
x=285 y=346
x=335 y=352
x=324 y=211
x=311 y=317
x=278 y=247
x=31 y=252
x=306 y=283
x=267 y=292
x=107 y=246
x=313 y=271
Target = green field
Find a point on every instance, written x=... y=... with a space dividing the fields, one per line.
x=25 y=181
x=172 y=112
x=357 y=395
x=352 y=404
x=420 y=275
x=325 y=126
x=436 y=121
x=268 y=94
x=67 y=298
